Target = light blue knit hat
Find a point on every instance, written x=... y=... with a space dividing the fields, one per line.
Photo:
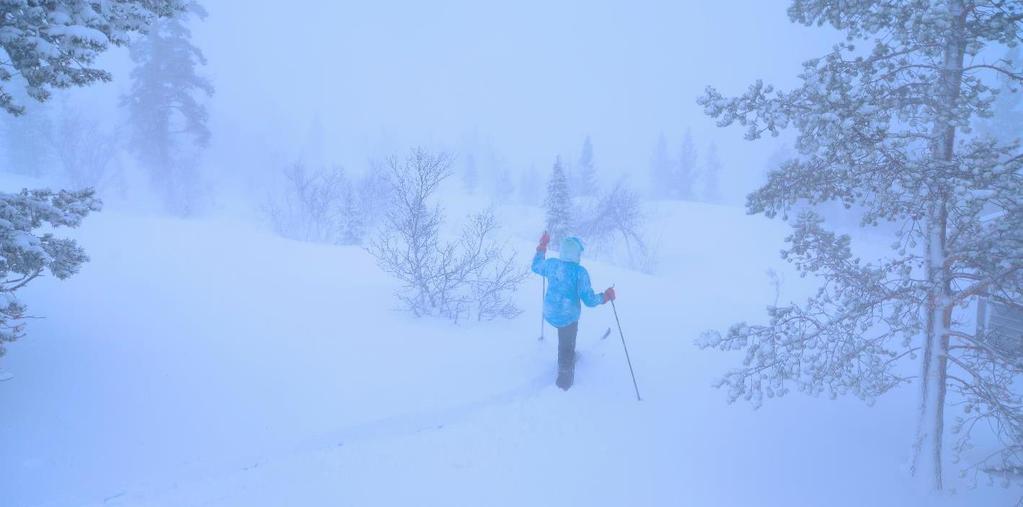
x=571 y=249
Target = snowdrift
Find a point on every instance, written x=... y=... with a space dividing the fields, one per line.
x=209 y=363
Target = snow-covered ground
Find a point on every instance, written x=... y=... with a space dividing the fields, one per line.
x=209 y=363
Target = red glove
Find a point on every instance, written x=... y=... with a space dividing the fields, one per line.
x=609 y=295
x=544 y=240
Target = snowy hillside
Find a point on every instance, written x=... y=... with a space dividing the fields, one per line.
x=209 y=363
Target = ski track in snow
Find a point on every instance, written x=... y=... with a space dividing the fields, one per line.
x=172 y=405
x=407 y=424
x=390 y=427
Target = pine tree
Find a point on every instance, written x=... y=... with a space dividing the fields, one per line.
x=167 y=116
x=685 y=172
x=504 y=189
x=351 y=216
x=661 y=170
x=558 y=204
x=885 y=132
x=711 y=173
x=586 y=176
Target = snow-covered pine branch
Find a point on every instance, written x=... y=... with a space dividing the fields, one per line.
x=887 y=131
x=54 y=44
x=47 y=45
x=26 y=254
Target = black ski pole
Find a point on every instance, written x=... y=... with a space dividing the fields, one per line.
x=620 y=333
x=543 y=294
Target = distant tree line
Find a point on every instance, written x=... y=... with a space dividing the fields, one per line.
x=576 y=204
x=684 y=176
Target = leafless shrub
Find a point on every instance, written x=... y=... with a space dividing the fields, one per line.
x=453 y=279
x=494 y=278
x=85 y=149
x=616 y=218
x=320 y=207
x=373 y=195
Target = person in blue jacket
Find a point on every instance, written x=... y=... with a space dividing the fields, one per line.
x=568 y=284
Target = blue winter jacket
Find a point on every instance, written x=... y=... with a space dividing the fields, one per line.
x=568 y=283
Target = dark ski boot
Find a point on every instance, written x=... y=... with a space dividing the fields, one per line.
x=565 y=378
x=566 y=373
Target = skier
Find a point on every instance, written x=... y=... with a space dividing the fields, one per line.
x=568 y=283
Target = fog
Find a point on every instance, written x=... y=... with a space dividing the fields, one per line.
x=517 y=85
x=528 y=80
x=469 y=253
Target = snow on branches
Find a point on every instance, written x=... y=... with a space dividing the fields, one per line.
x=25 y=254
x=617 y=215
x=54 y=44
x=599 y=218
x=888 y=131
x=467 y=277
x=558 y=206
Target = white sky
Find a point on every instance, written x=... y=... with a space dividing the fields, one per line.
x=531 y=78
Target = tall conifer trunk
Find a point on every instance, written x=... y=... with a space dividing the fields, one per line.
x=934 y=376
